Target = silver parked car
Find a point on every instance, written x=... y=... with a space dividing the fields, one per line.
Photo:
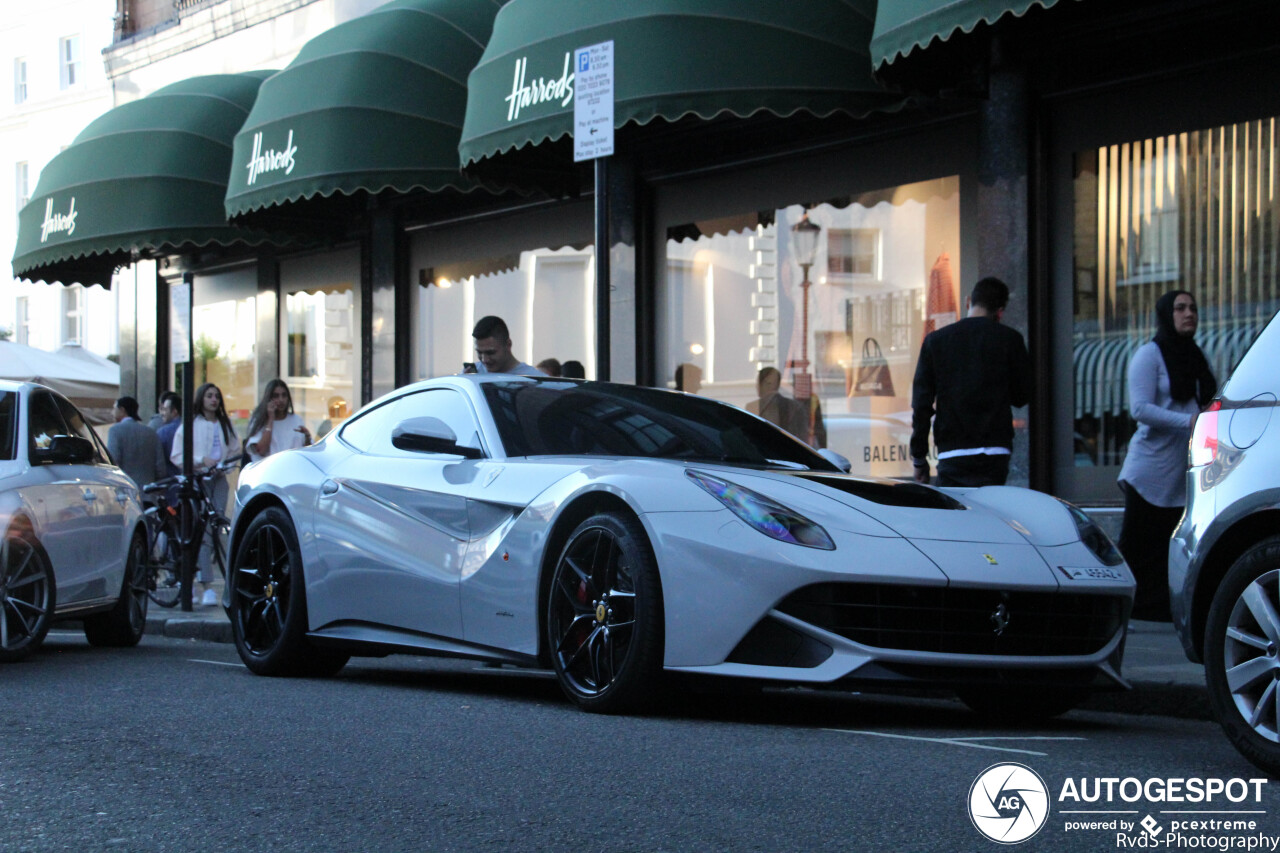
x=74 y=545
x=1224 y=558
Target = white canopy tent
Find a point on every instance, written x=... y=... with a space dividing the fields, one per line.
x=88 y=380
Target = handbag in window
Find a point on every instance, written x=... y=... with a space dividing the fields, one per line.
x=873 y=378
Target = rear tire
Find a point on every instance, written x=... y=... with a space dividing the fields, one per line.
x=27 y=596
x=1242 y=654
x=269 y=602
x=123 y=625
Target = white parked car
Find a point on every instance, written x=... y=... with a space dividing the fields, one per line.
x=614 y=534
x=74 y=543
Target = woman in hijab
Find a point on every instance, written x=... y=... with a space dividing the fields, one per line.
x=1169 y=383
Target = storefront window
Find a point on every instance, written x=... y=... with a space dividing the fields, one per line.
x=835 y=296
x=1192 y=211
x=545 y=296
x=320 y=337
x=224 y=330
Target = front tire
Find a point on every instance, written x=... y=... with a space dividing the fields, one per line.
x=1242 y=654
x=27 y=596
x=124 y=624
x=604 y=617
x=269 y=603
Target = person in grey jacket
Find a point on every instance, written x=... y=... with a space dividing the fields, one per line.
x=133 y=445
x=1169 y=383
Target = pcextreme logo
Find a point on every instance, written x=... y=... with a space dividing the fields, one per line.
x=1008 y=803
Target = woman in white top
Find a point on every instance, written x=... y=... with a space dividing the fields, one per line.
x=213 y=439
x=274 y=426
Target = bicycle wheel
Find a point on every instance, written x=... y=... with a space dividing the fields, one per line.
x=163 y=580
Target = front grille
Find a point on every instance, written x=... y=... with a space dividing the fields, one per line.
x=960 y=621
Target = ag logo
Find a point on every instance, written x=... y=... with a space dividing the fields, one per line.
x=1008 y=803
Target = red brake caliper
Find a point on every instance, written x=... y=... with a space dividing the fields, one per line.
x=583 y=630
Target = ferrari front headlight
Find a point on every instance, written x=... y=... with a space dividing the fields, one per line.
x=1093 y=537
x=768 y=516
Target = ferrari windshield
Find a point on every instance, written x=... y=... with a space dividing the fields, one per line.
x=549 y=418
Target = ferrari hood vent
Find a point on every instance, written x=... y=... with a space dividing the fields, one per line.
x=887 y=492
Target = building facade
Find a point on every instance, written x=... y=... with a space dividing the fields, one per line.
x=54 y=84
x=1092 y=155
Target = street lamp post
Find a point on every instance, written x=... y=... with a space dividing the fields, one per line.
x=804 y=244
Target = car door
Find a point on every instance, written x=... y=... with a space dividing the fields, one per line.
x=111 y=489
x=392 y=524
x=64 y=505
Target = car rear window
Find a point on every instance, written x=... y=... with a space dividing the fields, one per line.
x=1256 y=373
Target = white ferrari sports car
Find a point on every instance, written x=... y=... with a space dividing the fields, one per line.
x=615 y=534
x=74 y=542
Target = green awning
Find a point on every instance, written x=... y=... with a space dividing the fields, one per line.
x=672 y=59
x=904 y=25
x=148 y=176
x=373 y=104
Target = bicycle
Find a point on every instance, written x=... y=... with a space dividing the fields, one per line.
x=170 y=530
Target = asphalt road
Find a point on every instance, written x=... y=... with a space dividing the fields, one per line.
x=175 y=746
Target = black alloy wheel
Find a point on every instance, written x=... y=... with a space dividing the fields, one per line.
x=604 y=616
x=268 y=602
x=124 y=624
x=27 y=595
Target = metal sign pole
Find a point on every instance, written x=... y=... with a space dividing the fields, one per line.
x=187 y=494
x=593 y=140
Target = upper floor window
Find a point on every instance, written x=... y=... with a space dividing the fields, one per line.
x=22 y=183
x=22 y=321
x=20 y=80
x=73 y=314
x=69 y=60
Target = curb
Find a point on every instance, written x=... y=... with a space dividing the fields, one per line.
x=190 y=628
x=1182 y=701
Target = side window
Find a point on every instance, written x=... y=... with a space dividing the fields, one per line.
x=8 y=424
x=366 y=430
x=45 y=421
x=79 y=426
x=448 y=405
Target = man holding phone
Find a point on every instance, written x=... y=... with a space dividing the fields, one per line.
x=493 y=350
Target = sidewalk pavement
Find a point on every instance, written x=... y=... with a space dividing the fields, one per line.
x=1164 y=682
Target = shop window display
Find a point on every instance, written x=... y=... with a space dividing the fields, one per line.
x=546 y=296
x=320 y=338
x=224 y=331
x=1194 y=211
x=836 y=296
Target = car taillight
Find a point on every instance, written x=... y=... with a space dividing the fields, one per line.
x=1204 y=435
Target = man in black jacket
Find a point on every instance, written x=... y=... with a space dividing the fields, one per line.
x=971 y=373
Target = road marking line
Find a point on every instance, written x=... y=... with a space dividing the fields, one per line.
x=965 y=742
x=1029 y=737
x=213 y=662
